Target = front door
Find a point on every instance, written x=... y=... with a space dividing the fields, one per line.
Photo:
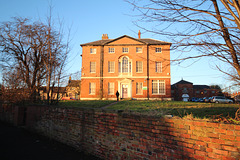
x=125 y=91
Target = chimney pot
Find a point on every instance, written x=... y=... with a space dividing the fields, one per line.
x=104 y=36
x=139 y=34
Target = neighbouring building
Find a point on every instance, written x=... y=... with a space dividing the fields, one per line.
x=56 y=92
x=184 y=90
x=73 y=88
x=71 y=91
x=138 y=68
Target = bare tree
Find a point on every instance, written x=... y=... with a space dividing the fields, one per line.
x=32 y=53
x=21 y=45
x=211 y=27
x=56 y=56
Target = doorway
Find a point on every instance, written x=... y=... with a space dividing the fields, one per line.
x=125 y=91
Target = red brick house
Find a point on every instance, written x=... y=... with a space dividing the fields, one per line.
x=186 y=90
x=138 y=68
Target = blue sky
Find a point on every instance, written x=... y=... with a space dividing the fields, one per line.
x=90 y=19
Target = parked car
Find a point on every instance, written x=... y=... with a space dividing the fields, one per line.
x=200 y=100
x=68 y=98
x=210 y=99
x=194 y=99
x=206 y=99
x=220 y=99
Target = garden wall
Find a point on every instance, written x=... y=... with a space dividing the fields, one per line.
x=119 y=135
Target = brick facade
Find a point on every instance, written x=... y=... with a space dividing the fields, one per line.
x=111 y=135
x=121 y=65
x=187 y=88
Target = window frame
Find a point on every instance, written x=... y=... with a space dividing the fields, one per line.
x=160 y=83
x=92 y=88
x=139 y=69
x=137 y=49
x=121 y=65
x=139 y=89
x=93 y=50
x=125 y=65
x=125 y=50
x=111 y=50
x=92 y=70
x=158 y=49
x=110 y=88
x=157 y=69
x=111 y=69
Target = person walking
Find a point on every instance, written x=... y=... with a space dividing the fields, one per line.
x=117 y=94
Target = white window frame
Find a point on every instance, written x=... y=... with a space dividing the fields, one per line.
x=158 y=67
x=110 y=88
x=120 y=65
x=158 y=49
x=138 y=49
x=139 y=66
x=92 y=67
x=111 y=66
x=139 y=91
x=93 y=50
x=111 y=50
x=125 y=50
x=161 y=88
x=92 y=88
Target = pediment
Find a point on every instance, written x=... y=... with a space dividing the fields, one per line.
x=125 y=40
x=126 y=80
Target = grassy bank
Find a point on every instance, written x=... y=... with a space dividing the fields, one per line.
x=85 y=104
x=175 y=108
x=181 y=109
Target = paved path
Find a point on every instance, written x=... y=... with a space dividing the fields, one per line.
x=19 y=144
x=109 y=105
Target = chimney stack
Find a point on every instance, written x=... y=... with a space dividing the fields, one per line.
x=139 y=34
x=104 y=36
x=70 y=78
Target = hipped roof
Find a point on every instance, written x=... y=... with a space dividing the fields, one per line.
x=147 y=41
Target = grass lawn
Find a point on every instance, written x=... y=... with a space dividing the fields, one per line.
x=177 y=108
x=85 y=104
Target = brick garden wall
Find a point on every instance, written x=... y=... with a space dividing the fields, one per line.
x=124 y=136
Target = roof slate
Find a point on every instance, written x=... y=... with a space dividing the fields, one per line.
x=201 y=87
x=143 y=40
x=183 y=82
x=74 y=83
